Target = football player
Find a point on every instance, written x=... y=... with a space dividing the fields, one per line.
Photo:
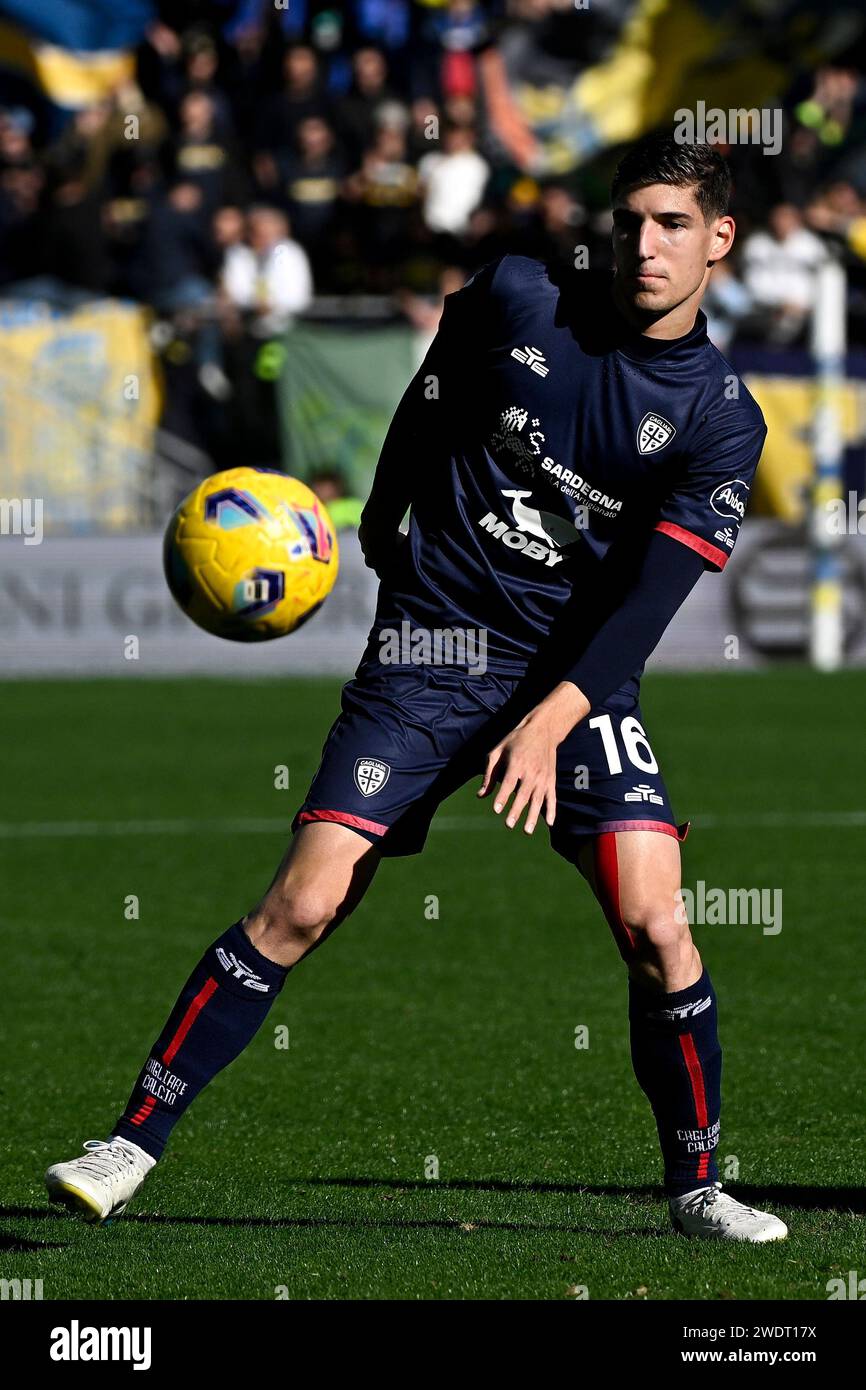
x=574 y=454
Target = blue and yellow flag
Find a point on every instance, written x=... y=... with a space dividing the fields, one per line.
x=72 y=52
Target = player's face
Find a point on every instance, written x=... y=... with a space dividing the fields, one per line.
x=663 y=248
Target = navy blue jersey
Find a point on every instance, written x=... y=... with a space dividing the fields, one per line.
x=541 y=443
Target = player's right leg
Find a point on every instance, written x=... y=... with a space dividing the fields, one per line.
x=390 y=757
x=323 y=876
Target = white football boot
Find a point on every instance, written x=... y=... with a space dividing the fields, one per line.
x=708 y=1211
x=102 y=1181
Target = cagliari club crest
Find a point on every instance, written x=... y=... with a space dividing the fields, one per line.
x=371 y=775
x=653 y=433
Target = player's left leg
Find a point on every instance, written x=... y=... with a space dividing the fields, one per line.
x=677 y=1059
x=614 y=822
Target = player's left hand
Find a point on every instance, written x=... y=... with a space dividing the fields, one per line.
x=380 y=545
x=525 y=761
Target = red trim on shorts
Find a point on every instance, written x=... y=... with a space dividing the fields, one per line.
x=343 y=818
x=607 y=886
x=679 y=831
x=705 y=548
x=699 y=1095
x=189 y=1018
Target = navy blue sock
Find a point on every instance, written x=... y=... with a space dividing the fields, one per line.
x=678 y=1063
x=221 y=1008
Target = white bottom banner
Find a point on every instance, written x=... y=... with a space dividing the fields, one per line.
x=69 y=605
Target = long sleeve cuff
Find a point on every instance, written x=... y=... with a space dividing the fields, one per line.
x=668 y=574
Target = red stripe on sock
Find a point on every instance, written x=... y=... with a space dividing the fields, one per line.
x=141 y=1115
x=189 y=1019
x=699 y=1095
x=696 y=1077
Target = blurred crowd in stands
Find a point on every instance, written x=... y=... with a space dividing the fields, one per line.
x=268 y=156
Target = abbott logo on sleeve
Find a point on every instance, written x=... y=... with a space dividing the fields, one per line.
x=729 y=499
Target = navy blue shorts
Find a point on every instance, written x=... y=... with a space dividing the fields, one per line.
x=407 y=737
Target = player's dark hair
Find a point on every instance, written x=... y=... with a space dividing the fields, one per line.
x=660 y=158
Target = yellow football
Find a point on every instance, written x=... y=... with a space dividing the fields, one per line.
x=250 y=554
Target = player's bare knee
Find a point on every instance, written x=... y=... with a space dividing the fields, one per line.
x=658 y=932
x=294 y=916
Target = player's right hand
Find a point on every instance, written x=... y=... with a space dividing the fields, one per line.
x=524 y=764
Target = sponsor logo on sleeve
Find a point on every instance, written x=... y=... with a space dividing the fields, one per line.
x=729 y=499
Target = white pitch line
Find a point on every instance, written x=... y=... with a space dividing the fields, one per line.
x=71 y=829
x=81 y=829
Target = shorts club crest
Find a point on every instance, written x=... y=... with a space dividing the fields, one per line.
x=371 y=775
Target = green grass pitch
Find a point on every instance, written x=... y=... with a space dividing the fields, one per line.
x=305 y=1170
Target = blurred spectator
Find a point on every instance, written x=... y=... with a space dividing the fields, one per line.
x=386 y=23
x=21 y=185
x=422 y=131
x=424 y=312
x=832 y=105
x=269 y=279
x=302 y=95
x=311 y=181
x=557 y=228
x=385 y=191
x=199 y=155
x=264 y=281
x=73 y=247
x=453 y=181
x=229 y=228
x=102 y=137
x=839 y=211
x=727 y=303
x=453 y=35
x=329 y=485
x=357 y=115
x=174 y=264
x=488 y=236
x=16 y=129
x=85 y=145
x=779 y=272
x=201 y=71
